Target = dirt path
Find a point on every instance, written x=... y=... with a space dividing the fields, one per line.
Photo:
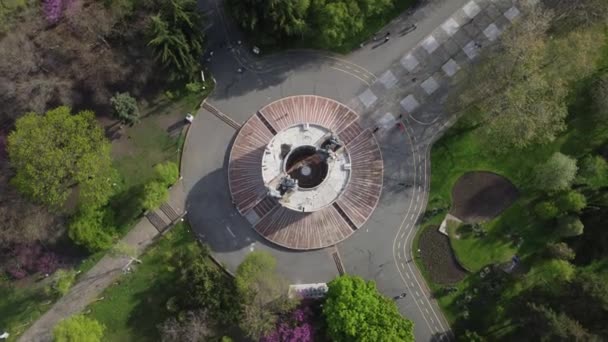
x=90 y=285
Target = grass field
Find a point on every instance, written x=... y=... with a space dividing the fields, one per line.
x=132 y=308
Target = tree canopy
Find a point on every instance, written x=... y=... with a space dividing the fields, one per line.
x=125 y=108
x=54 y=152
x=555 y=174
x=177 y=38
x=356 y=311
x=263 y=292
x=78 y=328
x=519 y=90
x=330 y=22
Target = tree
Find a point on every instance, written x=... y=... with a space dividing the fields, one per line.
x=263 y=293
x=167 y=173
x=207 y=287
x=125 y=108
x=339 y=20
x=177 y=37
x=599 y=99
x=550 y=274
x=554 y=326
x=517 y=104
x=78 y=328
x=356 y=311
x=155 y=193
x=518 y=92
x=52 y=153
x=88 y=229
x=63 y=281
x=577 y=14
x=546 y=210
x=560 y=251
x=193 y=327
x=593 y=170
x=555 y=174
x=570 y=226
x=571 y=202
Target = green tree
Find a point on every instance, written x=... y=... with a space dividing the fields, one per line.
x=125 y=108
x=264 y=293
x=550 y=274
x=518 y=92
x=339 y=20
x=54 y=152
x=167 y=173
x=554 y=326
x=546 y=210
x=177 y=37
x=155 y=193
x=555 y=174
x=356 y=311
x=593 y=170
x=561 y=251
x=571 y=202
x=207 y=287
x=78 y=328
x=570 y=226
x=88 y=229
x=63 y=281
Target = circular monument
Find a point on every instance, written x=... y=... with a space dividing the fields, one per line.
x=304 y=173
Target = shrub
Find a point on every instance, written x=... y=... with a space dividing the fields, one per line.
x=155 y=193
x=195 y=87
x=167 y=173
x=572 y=202
x=570 y=226
x=78 y=328
x=546 y=210
x=125 y=108
x=556 y=174
x=87 y=229
x=63 y=281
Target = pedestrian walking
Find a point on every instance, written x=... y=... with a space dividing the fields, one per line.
x=400 y=116
x=478 y=45
x=386 y=38
x=414 y=79
x=375 y=129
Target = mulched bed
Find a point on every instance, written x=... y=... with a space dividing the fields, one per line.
x=480 y=196
x=438 y=258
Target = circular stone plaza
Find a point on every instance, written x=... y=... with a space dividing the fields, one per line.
x=304 y=173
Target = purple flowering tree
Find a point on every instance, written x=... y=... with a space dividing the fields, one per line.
x=26 y=259
x=295 y=326
x=54 y=9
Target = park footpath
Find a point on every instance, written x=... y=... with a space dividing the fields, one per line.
x=90 y=285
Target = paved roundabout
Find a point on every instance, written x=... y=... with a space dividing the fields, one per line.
x=323 y=160
x=304 y=173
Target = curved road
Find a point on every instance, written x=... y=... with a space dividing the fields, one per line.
x=405 y=79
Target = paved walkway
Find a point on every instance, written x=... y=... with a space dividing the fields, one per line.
x=91 y=284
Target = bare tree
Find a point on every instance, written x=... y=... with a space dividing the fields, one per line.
x=194 y=327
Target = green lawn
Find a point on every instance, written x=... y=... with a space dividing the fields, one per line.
x=133 y=307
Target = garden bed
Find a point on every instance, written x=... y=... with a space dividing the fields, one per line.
x=438 y=258
x=480 y=196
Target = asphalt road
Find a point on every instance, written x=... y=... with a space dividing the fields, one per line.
x=378 y=82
